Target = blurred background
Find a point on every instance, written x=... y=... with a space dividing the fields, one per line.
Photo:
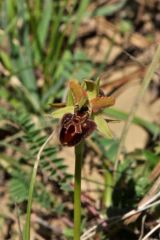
x=44 y=44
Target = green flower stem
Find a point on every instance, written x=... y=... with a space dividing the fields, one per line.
x=77 y=190
x=108 y=191
x=31 y=189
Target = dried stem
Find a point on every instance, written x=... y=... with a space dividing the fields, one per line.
x=148 y=77
x=113 y=222
x=151 y=232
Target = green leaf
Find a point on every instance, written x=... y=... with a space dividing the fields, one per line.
x=102 y=126
x=109 y=10
x=18 y=187
x=141 y=186
x=60 y=112
x=125 y=26
x=150 y=127
x=151 y=157
x=25 y=62
x=79 y=14
x=44 y=23
x=112 y=150
x=68 y=232
x=6 y=60
x=52 y=91
x=10 y=9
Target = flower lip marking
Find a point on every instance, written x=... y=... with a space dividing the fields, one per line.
x=75 y=127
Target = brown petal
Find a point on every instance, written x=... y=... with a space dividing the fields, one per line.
x=101 y=102
x=78 y=92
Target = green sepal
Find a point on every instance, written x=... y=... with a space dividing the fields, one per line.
x=59 y=113
x=83 y=102
x=102 y=126
x=70 y=100
x=97 y=82
x=92 y=88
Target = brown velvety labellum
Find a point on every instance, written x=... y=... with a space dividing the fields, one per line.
x=75 y=127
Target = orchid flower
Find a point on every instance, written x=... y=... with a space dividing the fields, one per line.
x=82 y=113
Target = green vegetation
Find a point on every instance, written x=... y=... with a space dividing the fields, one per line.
x=43 y=45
